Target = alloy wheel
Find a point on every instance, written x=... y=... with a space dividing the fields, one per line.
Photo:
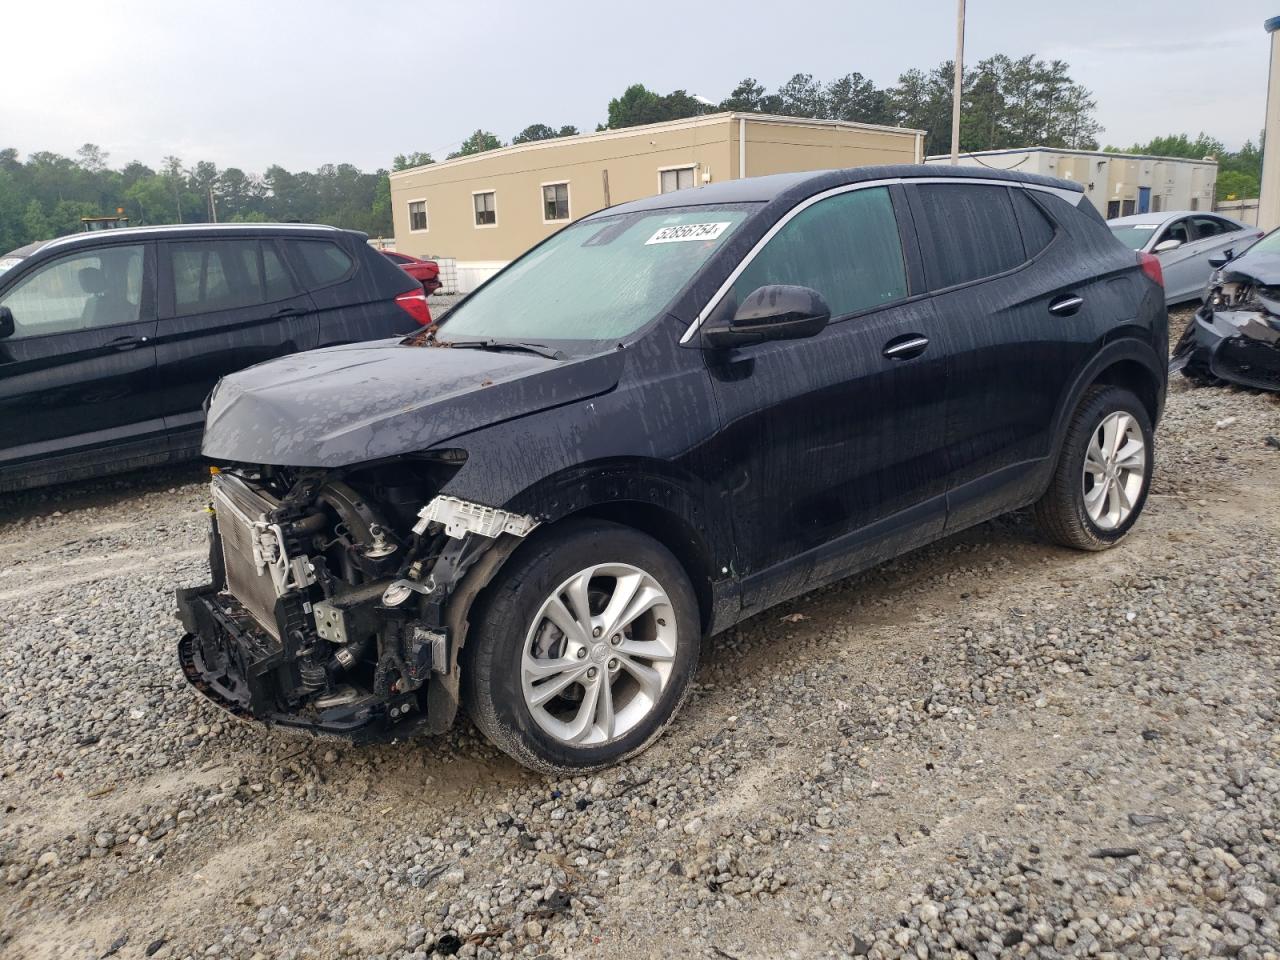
x=598 y=654
x=1115 y=469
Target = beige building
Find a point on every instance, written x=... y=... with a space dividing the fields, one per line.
x=1117 y=184
x=486 y=209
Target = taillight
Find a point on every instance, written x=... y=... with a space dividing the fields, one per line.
x=414 y=303
x=1151 y=267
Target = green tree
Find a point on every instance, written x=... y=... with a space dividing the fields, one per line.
x=540 y=131
x=478 y=142
x=408 y=161
x=92 y=158
x=802 y=96
x=854 y=97
x=380 y=210
x=12 y=230
x=66 y=215
x=637 y=105
x=35 y=223
x=749 y=97
x=535 y=131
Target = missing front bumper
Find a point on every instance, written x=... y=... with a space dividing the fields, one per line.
x=242 y=670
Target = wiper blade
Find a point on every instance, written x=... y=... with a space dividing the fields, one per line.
x=538 y=349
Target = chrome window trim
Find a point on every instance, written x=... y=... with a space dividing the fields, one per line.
x=1071 y=196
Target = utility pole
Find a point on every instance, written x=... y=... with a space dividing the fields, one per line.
x=213 y=208
x=958 y=89
x=1269 y=201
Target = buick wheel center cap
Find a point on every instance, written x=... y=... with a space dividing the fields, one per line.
x=599 y=652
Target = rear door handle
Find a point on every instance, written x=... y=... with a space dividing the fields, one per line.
x=906 y=347
x=126 y=343
x=287 y=312
x=1066 y=306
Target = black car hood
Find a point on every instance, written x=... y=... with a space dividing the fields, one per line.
x=1261 y=267
x=366 y=401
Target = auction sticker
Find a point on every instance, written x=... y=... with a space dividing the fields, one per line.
x=688 y=231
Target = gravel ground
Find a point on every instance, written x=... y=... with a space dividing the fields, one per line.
x=990 y=747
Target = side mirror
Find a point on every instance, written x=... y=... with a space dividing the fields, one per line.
x=1164 y=245
x=6 y=323
x=773 y=312
x=1222 y=259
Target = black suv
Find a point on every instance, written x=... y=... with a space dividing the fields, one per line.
x=110 y=341
x=665 y=418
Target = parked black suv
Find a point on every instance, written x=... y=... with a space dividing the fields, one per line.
x=110 y=341
x=663 y=419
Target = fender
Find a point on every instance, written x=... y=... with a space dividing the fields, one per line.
x=657 y=498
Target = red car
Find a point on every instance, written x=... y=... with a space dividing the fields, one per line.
x=426 y=272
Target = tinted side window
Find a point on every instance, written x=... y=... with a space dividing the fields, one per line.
x=1037 y=229
x=96 y=288
x=276 y=281
x=211 y=275
x=324 y=261
x=1206 y=227
x=967 y=232
x=846 y=247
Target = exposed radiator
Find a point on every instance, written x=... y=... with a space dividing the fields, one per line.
x=238 y=506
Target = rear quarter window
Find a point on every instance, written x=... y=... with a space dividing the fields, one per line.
x=322 y=262
x=967 y=232
x=1037 y=228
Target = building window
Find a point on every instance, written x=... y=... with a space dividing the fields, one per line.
x=555 y=202
x=1127 y=208
x=417 y=215
x=1195 y=203
x=680 y=178
x=486 y=211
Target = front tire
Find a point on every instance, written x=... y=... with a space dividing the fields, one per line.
x=1103 y=474
x=582 y=651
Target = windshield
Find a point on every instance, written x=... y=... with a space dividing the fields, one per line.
x=1134 y=235
x=600 y=279
x=1268 y=244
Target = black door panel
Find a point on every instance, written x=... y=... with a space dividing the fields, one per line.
x=834 y=446
x=227 y=304
x=828 y=437
x=90 y=381
x=1020 y=337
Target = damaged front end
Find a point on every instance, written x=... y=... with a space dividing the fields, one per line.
x=338 y=600
x=1235 y=335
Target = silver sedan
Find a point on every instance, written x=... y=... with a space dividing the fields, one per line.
x=1184 y=241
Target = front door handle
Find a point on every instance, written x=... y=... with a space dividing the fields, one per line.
x=126 y=343
x=286 y=312
x=1066 y=306
x=906 y=347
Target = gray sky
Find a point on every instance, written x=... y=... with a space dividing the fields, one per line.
x=303 y=83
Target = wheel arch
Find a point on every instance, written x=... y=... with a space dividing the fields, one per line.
x=1126 y=362
x=1129 y=363
x=670 y=530
x=1138 y=379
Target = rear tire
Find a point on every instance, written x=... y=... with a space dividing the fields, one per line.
x=560 y=670
x=1103 y=474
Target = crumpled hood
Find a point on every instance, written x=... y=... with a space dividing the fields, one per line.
x=366 y=401
x=1261 y=267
